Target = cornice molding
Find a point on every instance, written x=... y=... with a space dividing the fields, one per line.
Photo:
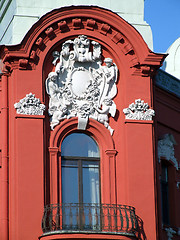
x=61 y=23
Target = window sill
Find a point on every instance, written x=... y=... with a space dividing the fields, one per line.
x=86 y=235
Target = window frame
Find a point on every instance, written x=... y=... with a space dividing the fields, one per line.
x=80 y=175
x=107 y=155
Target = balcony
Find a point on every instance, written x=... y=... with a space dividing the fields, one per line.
x=89 y=218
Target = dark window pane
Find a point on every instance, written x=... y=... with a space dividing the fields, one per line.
x=70 y=184
x=164 y=193
x=164 y=173
x=79 y=145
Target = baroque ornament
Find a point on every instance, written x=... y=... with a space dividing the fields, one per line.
x=139 y=111
x=30 y=105
x=80 y=86
x=166 y=149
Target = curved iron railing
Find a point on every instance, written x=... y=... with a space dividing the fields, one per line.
x=98 y=218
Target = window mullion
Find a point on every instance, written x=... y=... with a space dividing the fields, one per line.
x=80 y=181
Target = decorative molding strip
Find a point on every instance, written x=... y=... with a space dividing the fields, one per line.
x=29 y=116
x=53 y=30
x=166 y=149
x=139 y=111
x=168 y=82
x=138 y=121
x=30 y=105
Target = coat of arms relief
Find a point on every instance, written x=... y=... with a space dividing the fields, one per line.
x=80 y=86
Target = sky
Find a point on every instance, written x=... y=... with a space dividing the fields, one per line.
x=164 y=18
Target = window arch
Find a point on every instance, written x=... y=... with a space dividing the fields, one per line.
x=101 y=136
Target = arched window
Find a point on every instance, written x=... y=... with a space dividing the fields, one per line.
x=80 y=180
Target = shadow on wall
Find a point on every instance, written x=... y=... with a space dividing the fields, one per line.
x=140 y=233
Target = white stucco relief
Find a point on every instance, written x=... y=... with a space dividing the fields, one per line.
x=30 y=105
x=139 y=111
x=166 y=149
x=81 y=86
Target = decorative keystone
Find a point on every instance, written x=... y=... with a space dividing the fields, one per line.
x=91 y=24
x=134 y=62
x=50 y=32
x=30 y=105
x=33 y=55
x=117 y=38
x=77 y=23
x=104 y=28
x=23 y=63
x=147 y=71
x=139 y=111
x=127 y=49
x=63 y=26
x=40 y=43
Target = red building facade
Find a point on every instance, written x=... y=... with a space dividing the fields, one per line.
x=38 y=194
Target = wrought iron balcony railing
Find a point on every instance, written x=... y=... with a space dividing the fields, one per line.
x=96 y=218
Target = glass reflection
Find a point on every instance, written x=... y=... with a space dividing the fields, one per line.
x=80 y=145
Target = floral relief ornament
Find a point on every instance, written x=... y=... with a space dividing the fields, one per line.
x=166 y=149
x=30 y=105
x=80 y=86
x=139 y=111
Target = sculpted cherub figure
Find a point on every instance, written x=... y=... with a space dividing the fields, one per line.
x=108 y=107
x=63 y=57
x=58 y=115
x=53 y=91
